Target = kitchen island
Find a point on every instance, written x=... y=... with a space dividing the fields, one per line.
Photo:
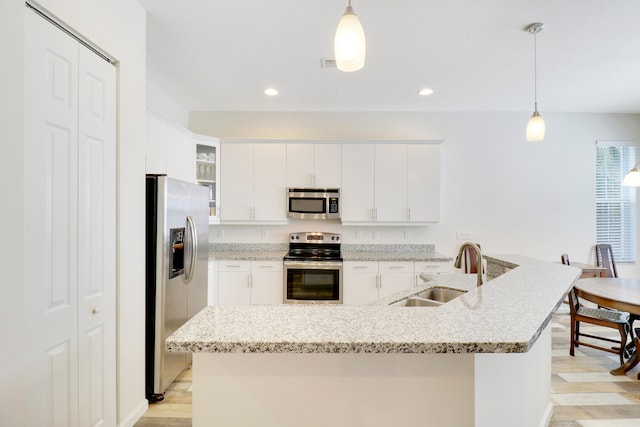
x=482 y=359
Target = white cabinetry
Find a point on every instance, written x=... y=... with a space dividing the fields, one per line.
x=366 y=281
x=212 y=283
x=170 y=149
x=250 y=282
x=390 y=183
x=314 y=165
x=360 y=282
x=207 y=170
x=253 y=182
x=395 y=276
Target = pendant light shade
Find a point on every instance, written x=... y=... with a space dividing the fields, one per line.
x=632 y=179
x=535 y=127
x=349 y=44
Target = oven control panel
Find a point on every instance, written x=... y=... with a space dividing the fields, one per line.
x=315 y=237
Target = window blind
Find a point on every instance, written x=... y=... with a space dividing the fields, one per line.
x=615 y=204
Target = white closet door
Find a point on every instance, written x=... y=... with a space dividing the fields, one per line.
x=96 y=240
x=69 y=207
x=50 y=243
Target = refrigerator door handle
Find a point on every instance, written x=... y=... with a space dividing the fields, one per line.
x=191 y=225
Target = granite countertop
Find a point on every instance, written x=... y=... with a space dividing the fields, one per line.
x=350 y=252
x=505 y=315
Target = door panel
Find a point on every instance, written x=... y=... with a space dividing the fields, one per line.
x=96 y=239
x=50 y=242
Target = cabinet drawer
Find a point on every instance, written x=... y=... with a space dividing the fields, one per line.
x=434 y=267
x=396 y=267
x=361 y=266
x=230 y=265
x=258 y=266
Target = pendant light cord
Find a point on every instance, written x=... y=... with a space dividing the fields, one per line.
x=535 y=70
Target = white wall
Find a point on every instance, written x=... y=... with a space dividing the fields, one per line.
x=531 y=198
x=12 y=396
x=165 y=106
x=118 y=27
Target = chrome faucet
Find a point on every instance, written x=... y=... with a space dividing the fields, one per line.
x=458 y=262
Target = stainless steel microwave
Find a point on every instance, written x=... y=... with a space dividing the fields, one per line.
x=314 y=203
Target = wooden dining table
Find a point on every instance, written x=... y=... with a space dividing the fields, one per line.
x=619 y=293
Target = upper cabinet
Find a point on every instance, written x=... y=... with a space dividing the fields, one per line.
x=314 y=165
x=253 y=182
x=207 y=170
x=390 y=183
x=170 y=150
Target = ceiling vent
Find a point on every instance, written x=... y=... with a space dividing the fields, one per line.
x=327 y=63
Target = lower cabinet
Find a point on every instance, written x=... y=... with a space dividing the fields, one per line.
x=366 y=281
x=249 y=282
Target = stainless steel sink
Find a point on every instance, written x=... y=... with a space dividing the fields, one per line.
x=440 y=293
x=419 y=302
x=432 y=297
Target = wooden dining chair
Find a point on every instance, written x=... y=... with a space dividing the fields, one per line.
x=604 y=258
x=613 y=319
x=564 y=258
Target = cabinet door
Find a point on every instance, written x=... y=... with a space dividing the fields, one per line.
x=212 y=283
x=391 y=183
x=327 y=162
x=267 y=284
x=300 y=171
x=181 y=154
x=234 y=283
x=156 y=146
x=236 y=182
x=423 y=182
x=395 y=277
x=360 y=282
x=358 y=186
x=269 y=182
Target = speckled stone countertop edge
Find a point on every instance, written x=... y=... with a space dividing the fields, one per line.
x=276 y=251
x=494 y=324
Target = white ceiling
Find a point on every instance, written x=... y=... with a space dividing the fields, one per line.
x=476 y=56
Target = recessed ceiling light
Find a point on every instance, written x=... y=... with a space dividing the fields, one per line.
x=271 y=91
x=425 y=91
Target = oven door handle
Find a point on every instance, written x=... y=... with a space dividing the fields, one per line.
x=313 y=265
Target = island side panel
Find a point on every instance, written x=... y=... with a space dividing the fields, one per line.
x=514 y=389
x=338 y=390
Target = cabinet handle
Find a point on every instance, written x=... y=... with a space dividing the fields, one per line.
x=232 y=266
x=359 y=266
x=96 y=310
x=265 y=266
x=395 y=267
x=378 y=281
x=409 y=214
x=250 y=281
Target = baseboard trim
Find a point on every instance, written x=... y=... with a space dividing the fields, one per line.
x=548 y=413
x=135 y=415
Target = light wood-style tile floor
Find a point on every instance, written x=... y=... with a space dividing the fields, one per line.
x=583 y=392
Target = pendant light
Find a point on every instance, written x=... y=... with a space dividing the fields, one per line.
x=632 y=179
x=349 y=43
x=535 y=127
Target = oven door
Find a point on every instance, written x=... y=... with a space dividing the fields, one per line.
x=313 y=282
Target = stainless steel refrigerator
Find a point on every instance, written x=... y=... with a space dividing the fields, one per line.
x=177 y=235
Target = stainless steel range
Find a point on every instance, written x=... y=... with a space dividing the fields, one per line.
x=313 y=269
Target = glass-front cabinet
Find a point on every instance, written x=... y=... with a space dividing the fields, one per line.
x=208 y=172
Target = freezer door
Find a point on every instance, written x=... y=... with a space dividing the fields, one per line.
x=171 y=292
x=199 y=213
